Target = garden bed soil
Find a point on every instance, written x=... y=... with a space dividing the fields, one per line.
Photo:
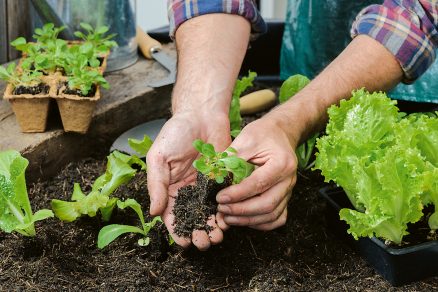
x=302 y=255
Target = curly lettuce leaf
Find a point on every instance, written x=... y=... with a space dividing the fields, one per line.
x=384 y=160
x=15 y=209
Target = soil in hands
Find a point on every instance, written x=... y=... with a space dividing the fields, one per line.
x=78 y=92
x=195 y=204
x=34 y=90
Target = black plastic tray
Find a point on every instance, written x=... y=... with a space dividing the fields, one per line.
x=398 y=266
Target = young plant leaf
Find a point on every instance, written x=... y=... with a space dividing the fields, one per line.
x=111 y=232
x=141 y=146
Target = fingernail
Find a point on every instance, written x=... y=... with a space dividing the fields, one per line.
x=223 y=199
x=230 y=220
x=224 y=209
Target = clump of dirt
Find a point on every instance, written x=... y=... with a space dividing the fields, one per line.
x=34 y=90
x=195 y=204
x=78 y=92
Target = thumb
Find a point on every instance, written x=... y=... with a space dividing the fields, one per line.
x=158 y=183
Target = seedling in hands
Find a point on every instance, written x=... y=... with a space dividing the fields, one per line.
x=111 y=232
x=15 y=210
x=219 y=165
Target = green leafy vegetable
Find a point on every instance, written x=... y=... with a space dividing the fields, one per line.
x=101 y=43
x=120 y=170
x=239 y=88
x=292 y=86
x=289 y=88
x=15 y=210
x=218 y=165
x=47 y=34
x=84 y=80
x=384 y=160
x=111 y=232
x=24 y=78
x=141 y=146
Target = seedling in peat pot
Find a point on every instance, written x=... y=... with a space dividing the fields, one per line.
x=96 y=37
x=26 y=78
x=15 y=210
x=111 y=232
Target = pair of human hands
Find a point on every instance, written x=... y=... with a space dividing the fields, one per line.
x=259 y=201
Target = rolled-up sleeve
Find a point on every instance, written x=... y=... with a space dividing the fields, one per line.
x=182 y=10
x=407 y=28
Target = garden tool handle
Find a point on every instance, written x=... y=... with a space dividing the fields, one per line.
x=257 y=101
x=147 y=45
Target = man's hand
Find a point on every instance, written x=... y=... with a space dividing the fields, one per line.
x=170 y=167
x=260 y=201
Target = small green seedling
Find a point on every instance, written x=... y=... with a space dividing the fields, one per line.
x=47 y=34
x=121 y=168
x=15 y=210
x=219 y=165
x=25 y=78
x=234 y=115
x=288 y=89
x=96 y=37
x=111 y=232
x=84 y=80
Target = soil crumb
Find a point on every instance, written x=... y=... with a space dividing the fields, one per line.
x=194 y=205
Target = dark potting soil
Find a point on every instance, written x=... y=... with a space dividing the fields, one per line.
x=195 y=204
x=34 y=90
x=303 y=255
x=78 y=92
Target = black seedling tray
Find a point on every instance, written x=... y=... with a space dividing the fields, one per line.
x=398 y=266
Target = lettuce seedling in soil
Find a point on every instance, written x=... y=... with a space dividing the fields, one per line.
x=288 y=89
x=15 y=210
x=194 y=204
x=234 y=115
x=121 y=168
x=111 y=232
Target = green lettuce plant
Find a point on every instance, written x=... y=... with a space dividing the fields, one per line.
x=121 y=168
x=384 y=160
x=288 y=89
x=97 y=38
x=234 y=114
x=219 y=165
x=15 y=209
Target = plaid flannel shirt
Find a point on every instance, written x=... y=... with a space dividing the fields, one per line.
x=407 y=28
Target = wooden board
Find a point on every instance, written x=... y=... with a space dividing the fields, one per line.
x=3 y=33
x=18 y=23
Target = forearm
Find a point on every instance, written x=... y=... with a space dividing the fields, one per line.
x=211 y=49
x=364 y=63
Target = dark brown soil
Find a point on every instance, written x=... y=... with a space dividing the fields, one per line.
x=195 y=204
x=303 y=255
x=34 y=90
x=78 y=92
